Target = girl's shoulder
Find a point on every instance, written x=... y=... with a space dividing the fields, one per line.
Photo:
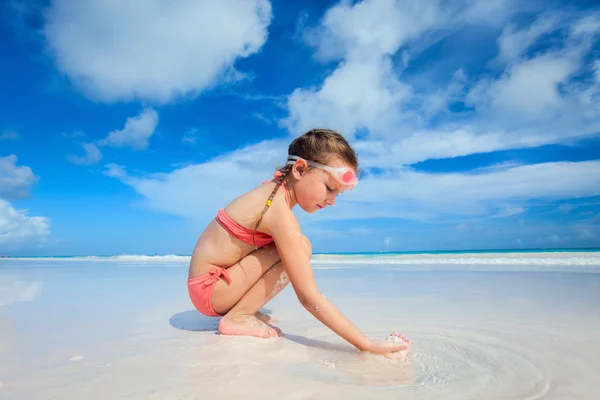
x=260 y=201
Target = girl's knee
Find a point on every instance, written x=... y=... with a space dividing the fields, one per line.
x=307 y=246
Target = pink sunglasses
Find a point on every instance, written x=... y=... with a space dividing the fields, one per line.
x=345 y=176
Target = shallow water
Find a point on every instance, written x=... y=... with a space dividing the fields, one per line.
x=81 y=329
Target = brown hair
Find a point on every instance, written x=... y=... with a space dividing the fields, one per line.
x=319 y=145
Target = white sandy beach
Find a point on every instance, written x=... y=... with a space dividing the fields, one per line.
x=109 y=329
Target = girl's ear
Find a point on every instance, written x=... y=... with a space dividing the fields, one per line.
x=299 y=168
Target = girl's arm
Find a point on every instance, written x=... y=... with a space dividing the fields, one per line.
x=296 y=262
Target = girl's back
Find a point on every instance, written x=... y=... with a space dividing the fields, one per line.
x=217 y=246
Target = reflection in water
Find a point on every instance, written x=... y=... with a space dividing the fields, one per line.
x=14 y=289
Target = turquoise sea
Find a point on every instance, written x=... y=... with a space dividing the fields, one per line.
x=364 y=254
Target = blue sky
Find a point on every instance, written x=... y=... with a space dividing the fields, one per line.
x=125 y=126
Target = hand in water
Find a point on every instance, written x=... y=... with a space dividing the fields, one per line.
x=395 y=345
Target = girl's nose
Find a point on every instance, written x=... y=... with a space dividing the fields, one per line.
x=330 y=200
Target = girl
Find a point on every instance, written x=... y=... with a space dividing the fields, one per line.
x=254 y=248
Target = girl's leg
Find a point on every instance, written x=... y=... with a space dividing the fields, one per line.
x=255 y=280
x=242 y=318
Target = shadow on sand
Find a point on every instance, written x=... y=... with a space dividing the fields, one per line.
x=320 y=344
x=192 y=320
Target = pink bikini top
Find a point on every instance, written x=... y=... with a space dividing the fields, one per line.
x=245 y=234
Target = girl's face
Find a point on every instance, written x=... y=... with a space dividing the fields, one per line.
x=315 y=188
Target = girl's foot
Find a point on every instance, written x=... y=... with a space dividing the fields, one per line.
x=247 y=325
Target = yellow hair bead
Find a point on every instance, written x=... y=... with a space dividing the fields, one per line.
x=268 y=203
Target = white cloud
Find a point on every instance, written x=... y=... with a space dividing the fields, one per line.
x=15 y=181
x=528 y=90
x=364 y=92
x=509 y=212
x=491 y=12
x=371 y=29
x=528 y=102
x=538 y=98
x=197 y=191
x=263 y=118
x=356 y=96
x=406 y=193
x=152 y=49
x=74 y=135
x=514 y=42
x=92 y=155
x=190 y=137
x=136 y=133
x=422 y=145
x=587 y=25
x=398 y=193
x=531 y=100
x=590 y=97
x=438 y=101
x=116 y=171
x=9 y=135
x=16 y=227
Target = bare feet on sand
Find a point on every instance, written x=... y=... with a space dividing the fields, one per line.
x=247 y=325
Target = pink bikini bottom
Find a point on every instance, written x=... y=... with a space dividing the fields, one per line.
x=201 y=287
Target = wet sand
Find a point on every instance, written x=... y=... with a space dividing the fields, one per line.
x=106 y=329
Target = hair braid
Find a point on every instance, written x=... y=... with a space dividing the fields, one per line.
x=284 y=171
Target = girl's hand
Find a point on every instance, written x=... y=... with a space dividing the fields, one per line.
x=390 y=348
